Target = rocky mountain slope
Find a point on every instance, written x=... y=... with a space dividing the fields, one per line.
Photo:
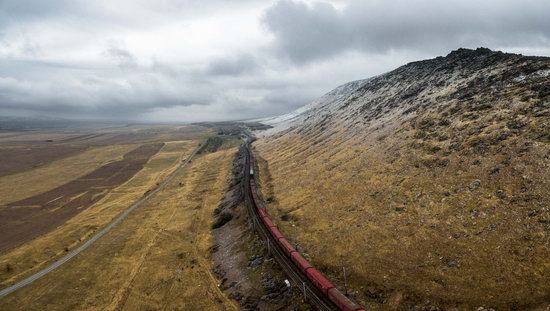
x=331 y=97
x=428 y=183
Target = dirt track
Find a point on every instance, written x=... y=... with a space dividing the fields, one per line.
x=158 y=258
x=26 y=219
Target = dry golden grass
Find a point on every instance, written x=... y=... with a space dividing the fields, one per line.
x=35 y=254
x=111 y=135
x=177 y=272
x=10 y=137
x=26 y=184
x=411 y=229
x=158 y=258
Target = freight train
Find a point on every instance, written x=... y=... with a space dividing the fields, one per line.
x=316 y=277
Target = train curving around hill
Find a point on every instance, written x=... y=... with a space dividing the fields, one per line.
x=312 y=274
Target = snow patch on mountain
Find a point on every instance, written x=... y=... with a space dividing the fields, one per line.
x=284 y=121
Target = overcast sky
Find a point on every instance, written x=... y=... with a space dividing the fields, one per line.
x=195 y=60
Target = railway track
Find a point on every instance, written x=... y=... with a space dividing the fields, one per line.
x=311 y=294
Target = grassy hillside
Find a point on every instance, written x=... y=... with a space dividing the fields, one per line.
x=429 y=183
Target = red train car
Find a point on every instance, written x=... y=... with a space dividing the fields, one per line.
x=256 y=200
x=275 y=232
x=300 y=261
x=319 y=280
x=254 y=191
x=343 y=302
x=253 y=187
x=287 y=247
x=324 y=285
x=262 y=212
x=259 y=203
x=268 y=223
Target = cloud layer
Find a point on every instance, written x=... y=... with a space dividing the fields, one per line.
x=219 y=60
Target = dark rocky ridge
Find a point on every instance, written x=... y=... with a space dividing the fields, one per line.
x=468 y=76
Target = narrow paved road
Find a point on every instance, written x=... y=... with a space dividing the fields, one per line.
x=102 y=232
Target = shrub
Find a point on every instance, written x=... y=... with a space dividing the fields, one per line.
x=420 y=134
x=222 y=219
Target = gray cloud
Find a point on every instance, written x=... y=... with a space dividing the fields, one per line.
x=305 y=32
x=222 y=59
x=77 y=92
x=234 y=66
x=121 y=55
x=308 y=32
x=107 y=13
x=29 y=10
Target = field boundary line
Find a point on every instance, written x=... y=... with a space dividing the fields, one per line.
x=30 y=279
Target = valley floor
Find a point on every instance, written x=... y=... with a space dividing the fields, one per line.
x=157 y=258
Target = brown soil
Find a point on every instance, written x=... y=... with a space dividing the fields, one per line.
x=246 y=271
x=132 y=134
x=22 y=158
x=29 y=218
x=156 y=259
